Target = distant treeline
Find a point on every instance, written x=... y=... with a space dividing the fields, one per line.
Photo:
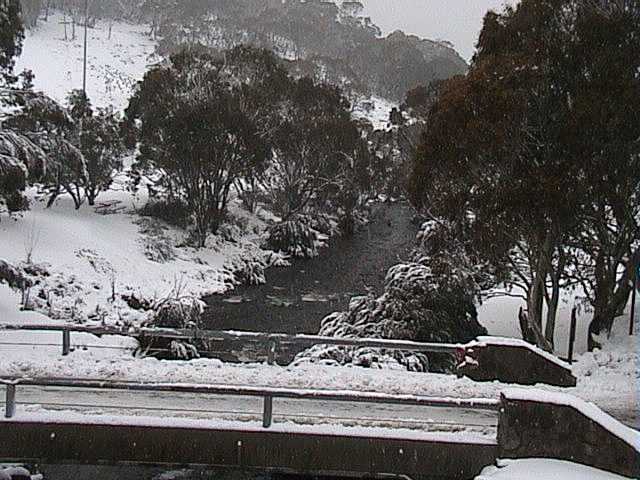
x=331 y=43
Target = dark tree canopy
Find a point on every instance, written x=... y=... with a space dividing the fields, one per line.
x=540 y=132
x=195 y=133
x=11 y=34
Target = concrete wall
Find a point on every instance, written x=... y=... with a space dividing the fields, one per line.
x=536 y=429
x=258 y=449
x=515 y=362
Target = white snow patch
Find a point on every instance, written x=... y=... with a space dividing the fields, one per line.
x=113 y=65
x=374 y=109
x=544 y=469
x=70 y=417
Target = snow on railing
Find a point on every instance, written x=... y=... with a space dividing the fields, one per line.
x=266 y=393
x=272 y=340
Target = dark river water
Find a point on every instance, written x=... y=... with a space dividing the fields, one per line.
x=295 y=299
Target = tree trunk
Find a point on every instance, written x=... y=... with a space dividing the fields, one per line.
x=552 y=305
x=535 y=296
x=609 y=301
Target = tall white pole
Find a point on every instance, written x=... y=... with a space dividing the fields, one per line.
x=84 y=68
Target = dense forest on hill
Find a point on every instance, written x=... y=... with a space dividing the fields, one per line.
x=331 y=42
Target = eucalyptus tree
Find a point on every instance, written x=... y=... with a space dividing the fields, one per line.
x=536 y=150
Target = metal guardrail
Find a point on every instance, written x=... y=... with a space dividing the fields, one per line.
x=271 y=340
x=266 y=393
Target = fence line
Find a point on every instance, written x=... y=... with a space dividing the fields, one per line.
x=272 y=340
x=266 y=393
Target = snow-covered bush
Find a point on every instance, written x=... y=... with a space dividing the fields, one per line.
x=14 y=277
x=249 y=266
x=295 y=237
x=183 y=350
x=158 y=247
x=250 y=270
x=416 y=305
x=441 y=247
x=178 y=312
x=324 y=223
x=17 y=473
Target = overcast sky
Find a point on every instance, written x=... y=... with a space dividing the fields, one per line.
x=458 y=21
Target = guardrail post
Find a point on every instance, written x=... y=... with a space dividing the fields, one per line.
x=10 y=405
x=66 y=342
x=267 y=413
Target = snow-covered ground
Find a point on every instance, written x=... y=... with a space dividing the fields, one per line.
x=90 y=258
x=543 y=469
x=608 y=378
x=376 y=110
x=114 y=64
x=500 y=316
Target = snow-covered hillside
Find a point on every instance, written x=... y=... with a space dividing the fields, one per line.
x=88 y=259
x=114 y=64
x=376 y=110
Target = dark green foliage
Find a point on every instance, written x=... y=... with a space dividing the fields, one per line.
x=196 y=133
x=13 y=150
x=173 y=211
x=319 y=155
x=294 y=237
x=97 y=134
x=11 y=36
x=237 y=120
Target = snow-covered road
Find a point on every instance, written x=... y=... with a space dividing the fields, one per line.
x=235 y=408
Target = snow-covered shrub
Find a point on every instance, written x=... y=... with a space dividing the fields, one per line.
x=250 y=270
x=179 y=312
x=183 y=350
x=230 y=232
x=12 y=276
x=17 y=473
x=295 y=237
x=440 y=247
x=276 y=259
x=325 y=224
x=249 y=265
x=158 y=247
x=416 y=305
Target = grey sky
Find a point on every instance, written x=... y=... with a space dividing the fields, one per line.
x=458 y=21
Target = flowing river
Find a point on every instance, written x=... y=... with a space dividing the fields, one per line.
x=295 y=299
